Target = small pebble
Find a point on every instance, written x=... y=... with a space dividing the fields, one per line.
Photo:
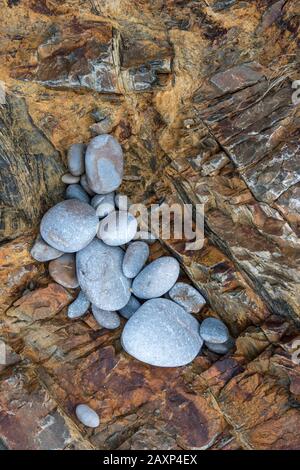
x=104 y=164
x=162 y=333
x=106 y=206
x=187 y=296
x=63 y=271
x=84 y=184
x=214 y=330
x=118 y=228
x=221 y=348
x=122 y=202
x=156 y=278
x=79 y=307
x=135 y=257
x=76 y=159
x=99 y=271
x=76 y=191
x=130 y=308
x=96 y=200
x=87 y=416
x=69 y=226
x=42 y=252
x=70 y=179
x=105 y=318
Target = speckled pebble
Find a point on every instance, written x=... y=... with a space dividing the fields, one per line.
x=162 y=333
x=135 y=257
x=221 y=348
x=122 y=202
x=118 y=228
x=214 y=330
x=68 y=178
x=76 y=191
x=157 y=278
x=104 y=164
x=130 y=308
x=187 y=296
x=87 y=416
x=69 y=226
x=99 y=271
x=79 y=307
x=63 y=271
x=42 y=252
x=84 y=184
x=106 y=206
x=106 y=319
x=76 y=159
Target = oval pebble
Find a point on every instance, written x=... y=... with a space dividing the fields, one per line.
x=69 y=226
x=76 y=191
x=214 y=330
x=68 y=178
x=84 y=184
x=118 y=228
x=63 y=271
x=106 y=318
x=122 y=202
x=96 y=200
x=104 y=164
x=187 y=296
x=106 y=206
x=42 y=252
x=135 y=257
x=100 y=275
x=157 y=278
x=79 y=307
x=221 y=348
x=87 y=416
x=130 y=308
x=162 y=333
x=76 y=159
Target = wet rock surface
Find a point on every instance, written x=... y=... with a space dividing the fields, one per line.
x=175 y=120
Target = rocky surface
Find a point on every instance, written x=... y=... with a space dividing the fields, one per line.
x=199 y=95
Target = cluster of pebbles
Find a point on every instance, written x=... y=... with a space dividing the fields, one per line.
x=92 y=242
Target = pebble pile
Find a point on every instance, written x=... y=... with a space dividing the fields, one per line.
x=92 y=242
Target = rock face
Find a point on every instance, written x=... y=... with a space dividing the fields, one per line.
x=200 y=99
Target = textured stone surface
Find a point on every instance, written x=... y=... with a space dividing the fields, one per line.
x=106 y=318
x=41 y=251
x=187 y=296
x=130 y=308
x=156 y=278
x=76 y=191
x=104 y=164
x=99 y=272
x=118 y=228
x=135 y=257
x=162 y=333
x=214 y=330
x=63 y=270
x=79 y=307
x=69 y=226
x=177 y=129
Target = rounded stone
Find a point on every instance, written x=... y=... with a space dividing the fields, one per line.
x=96 y=200
x=87 y=416
x=220 y=348
x=76 y=159
x=104 y=164
x=63 y=271
x=42 y=252
x=122 y=202
x=68 y=178
x=100 y=275
x=106 y=206
x=162 y=333
x=135 y=257
x=79 y=307
x=69 y=226
x=105 y=318
x=187 y=296
x=130 y=308
x=118 y=228
x=84 y=184
x=157 y=278
x=76 y=191
x=214 y=330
